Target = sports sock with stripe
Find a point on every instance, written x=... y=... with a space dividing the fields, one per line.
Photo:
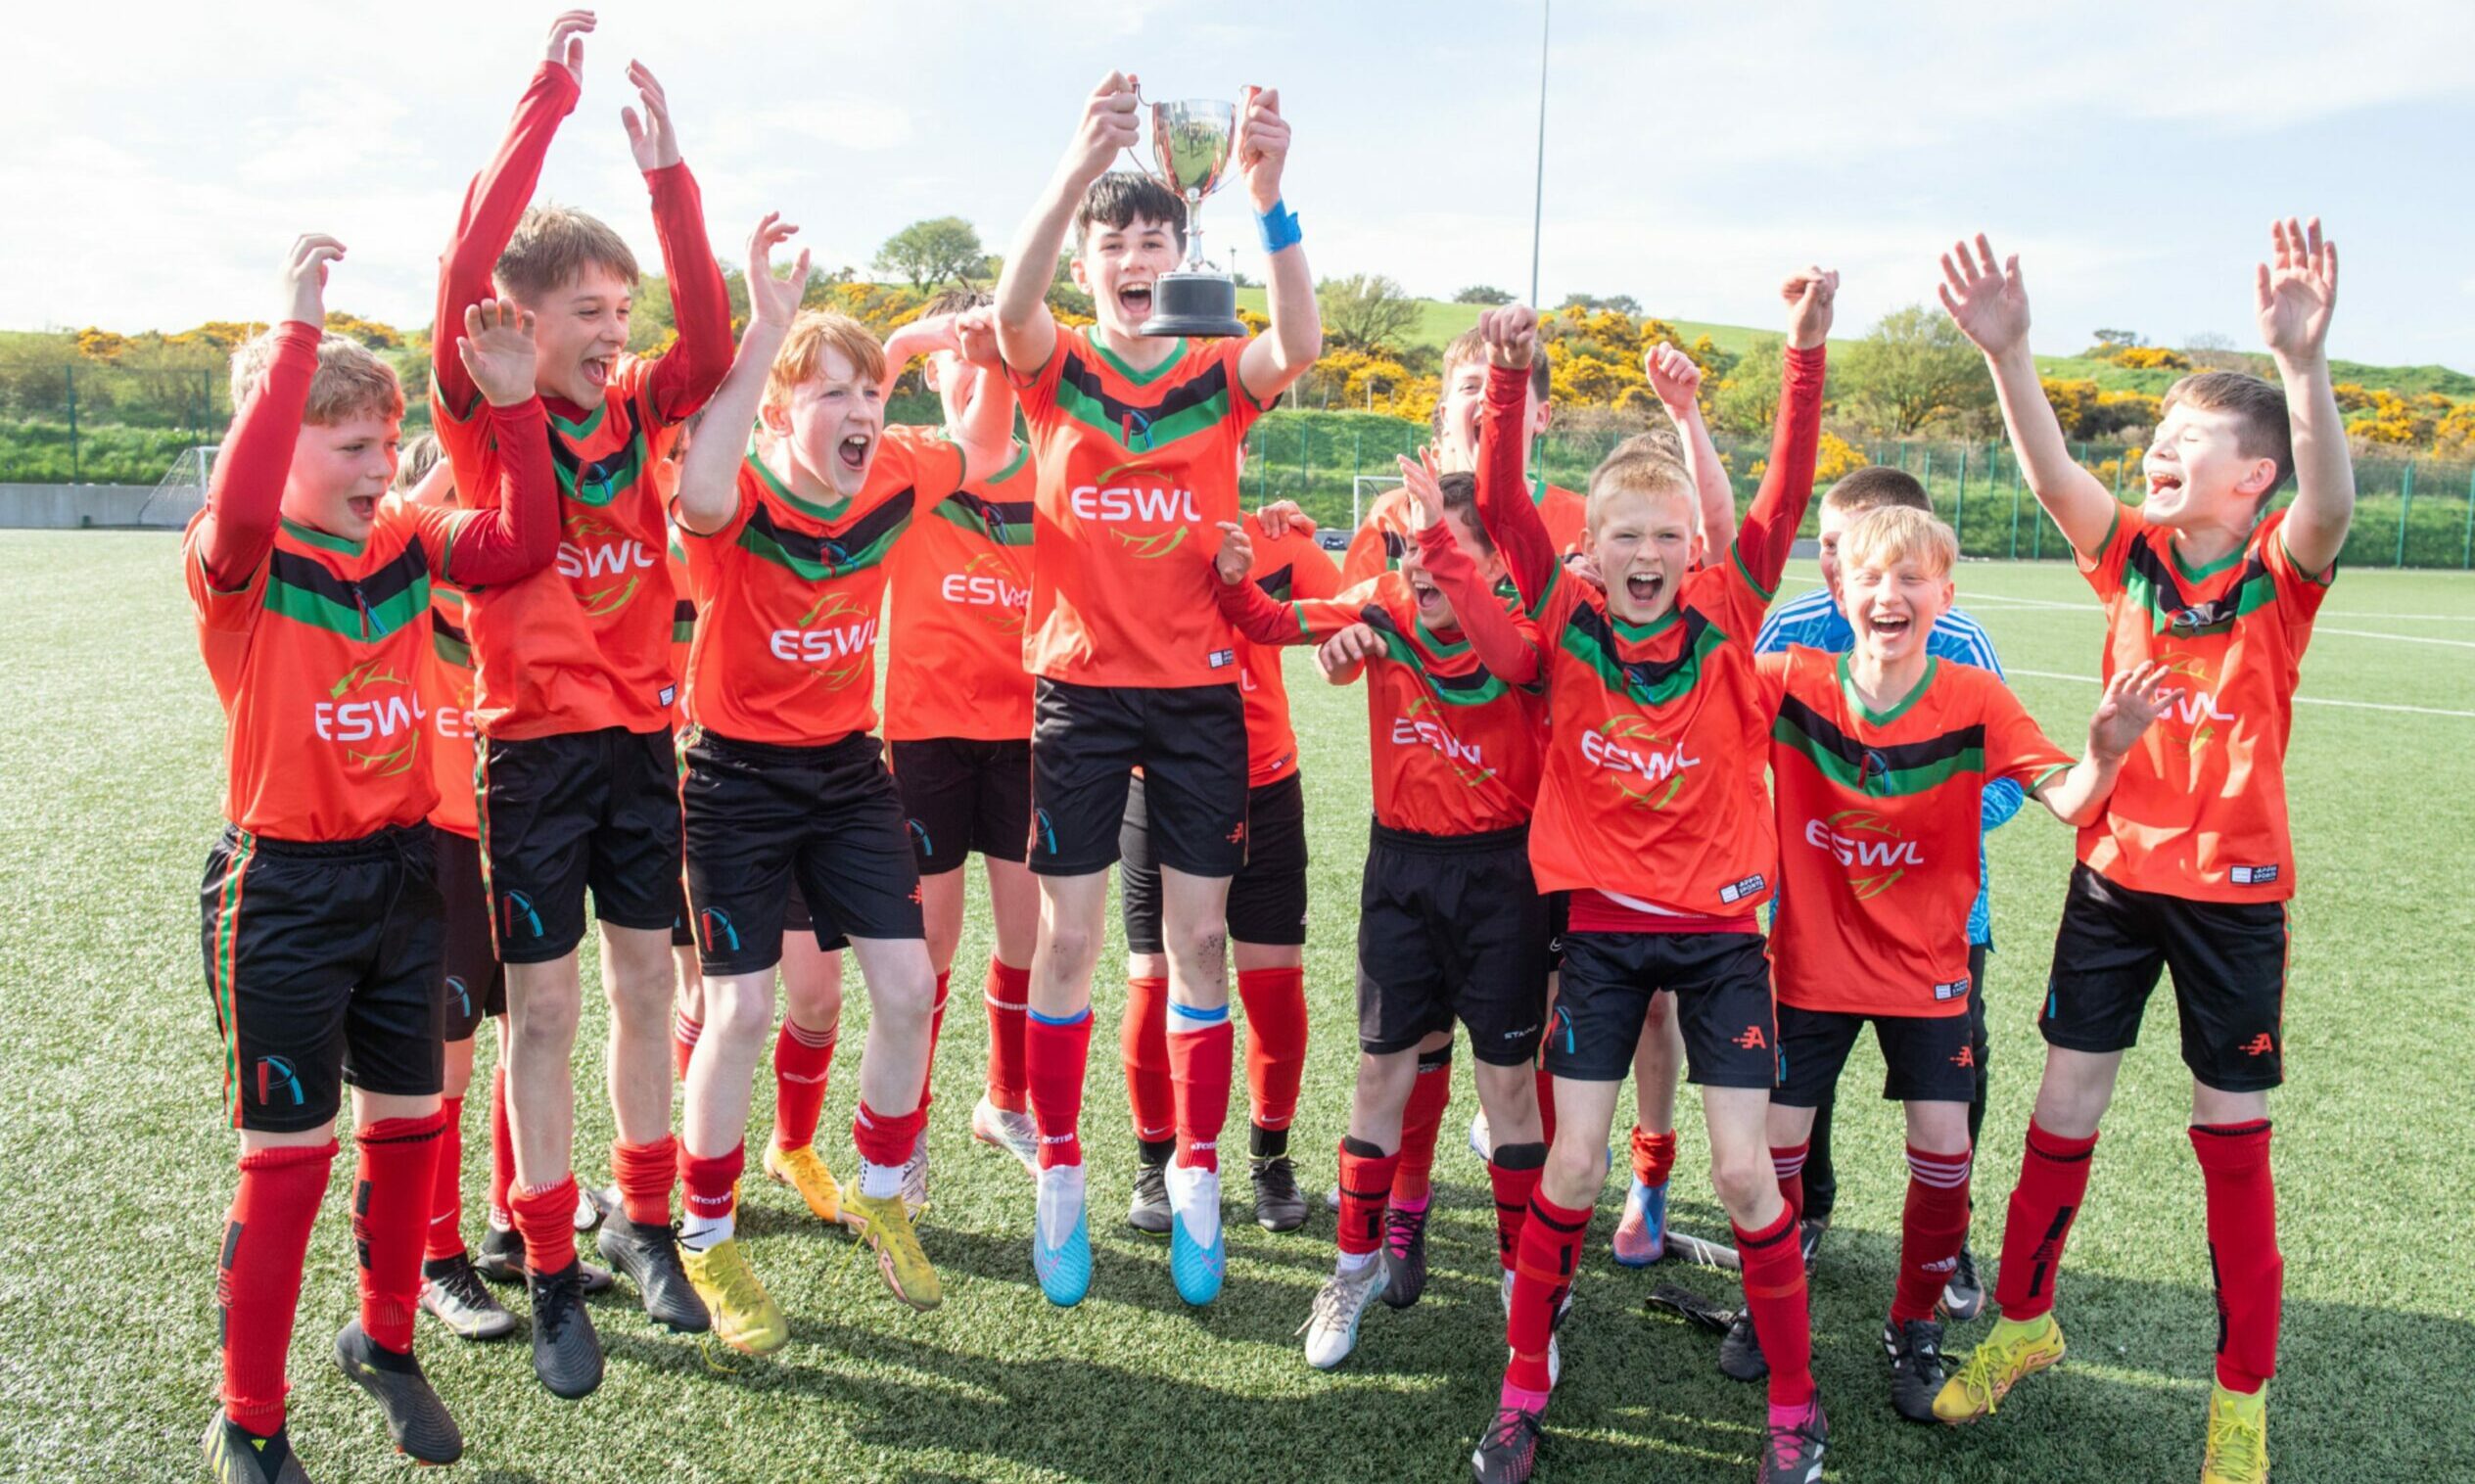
x=391 y=1219
x=1275 y=1000
x=708 y=1195
x=444 y=1236
x=546 y=1216
x=685 y=1033
x=257 y=1280
x=1774 y=1291
x=1543 y=1267
x=645 y=1174
x=2053 y=1183
x=1512 y=1176
x=1786 y=1163
x=1056 y=1049
x=2250 y=1273
x=884 y=1141
x=1421 y=1121
x=1654 y=1157
x=1142 y=1043
x=503 y=1155
x=802 y=1060
x=1366 y=1186
x=1932 y=1230
x=1009 y=996
x=1199 y=1051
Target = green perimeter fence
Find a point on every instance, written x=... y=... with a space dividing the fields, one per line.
x=123 y=425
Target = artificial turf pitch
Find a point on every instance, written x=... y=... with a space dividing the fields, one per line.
x=110 y=784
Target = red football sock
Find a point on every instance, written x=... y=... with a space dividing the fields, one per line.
x=444 y=1236
x=1276 y=1043
x=1421 y=1121
x=883 y=1138
x=390 y=1211
x=683 y=1033
x=1142 y=1043
x=546 y=1218
x=2053 y=1182
x=801 y=1059
x=709 y=1184
x=644 y=1173
x=1366 y=1186
x=1774 y=1290
x=1654 y=1157
x=257 y=1285
x=1542 y=1274
x=1513 y=1175
x=1787 y=1162
x=2243 y=1253
x=1009 y=996
x=1200 y=1046
x=503 y=1155
x=1546 y=1106
x=935 y=1028
x=1931 y=1231
x=1055 y=1055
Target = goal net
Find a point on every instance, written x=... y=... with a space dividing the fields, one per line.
x=182 y=490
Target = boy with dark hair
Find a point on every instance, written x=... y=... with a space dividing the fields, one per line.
x=1652 y=815
x=1451 y=926
x=2190 y=865
x=1879 y=756
x=1817 y=620
x=1137 y=440
x=577 y=778
x=320 y=907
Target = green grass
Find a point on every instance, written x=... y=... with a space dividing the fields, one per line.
x=110 y=782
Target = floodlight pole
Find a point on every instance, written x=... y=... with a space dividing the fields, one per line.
x=1538 y=200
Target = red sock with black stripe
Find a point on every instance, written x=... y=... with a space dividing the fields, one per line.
x=257 y=1280
x=1276 y=1046
x=2053 y=1183
x=1512 y=1176
x=1421 y=1122
x=1932 y=1230
x=2243 y=1255
x=1543 y=1266
x=1774 y=1292
x=391 y=1217
x=1366 y=1187
x=444 y=1238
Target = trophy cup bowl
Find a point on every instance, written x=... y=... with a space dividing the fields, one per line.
x=1191 y=143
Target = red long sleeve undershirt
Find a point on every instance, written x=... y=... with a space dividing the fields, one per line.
x=495 y=202
x=1505 y=509
x=517 y=534
x=245 y=496
x=1254 y=614
x=1479 y=613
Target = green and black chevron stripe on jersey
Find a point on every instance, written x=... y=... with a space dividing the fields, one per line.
x=596 y=481
x=1193 y=405
x=2148 y=576
x=1001 y=523
x=1593 y=636
x=1475 y=687
x=302 y=589
x=823 y=558
x=1887 y=771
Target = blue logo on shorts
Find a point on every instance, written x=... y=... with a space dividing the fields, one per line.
x=919 y=837
x=1048 y=832
x=275 y=1075
x=513 y=903
x=463 y=995
x=1564 y=1028
x=716 y=926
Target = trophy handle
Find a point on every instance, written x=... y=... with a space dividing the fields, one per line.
x=1142 y=109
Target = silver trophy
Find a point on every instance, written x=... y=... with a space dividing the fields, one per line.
x=1192 y=141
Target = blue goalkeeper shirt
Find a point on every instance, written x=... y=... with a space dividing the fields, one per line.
x=1815 y=622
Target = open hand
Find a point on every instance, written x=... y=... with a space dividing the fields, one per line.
x=1809 y=293
x=496 y=348
x=305 y=277
x=1263 y=145
x=1281 y=517
x=1237 y=556
x=2295 y=291
x=1109 y=125
x=773 y=301
x=1511 y=334
x=567 y=40
x=1989 y=305
x=2135 y=698
x=1674 y=376
x=651 y=136
x=1421 y=477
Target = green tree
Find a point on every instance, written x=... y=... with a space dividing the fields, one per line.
x=930 y=254
x=1747 y=397
x=1912 y=369
x=1619 y=304
x=1482 y=294
x=1365 y=311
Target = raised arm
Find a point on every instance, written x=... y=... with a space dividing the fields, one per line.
x=1283 y=353
x=2133 y=699
x=245 y=496
x=707 y=494
x=516 y=535
x=1991 y=308
x=2295 y=296
x=984 y=427
x=496 y=201
x=700 y=303
x=1506 y=647
x=1787 y=484
x=1026 y=332
x=1677 y=380
x=1505 y=508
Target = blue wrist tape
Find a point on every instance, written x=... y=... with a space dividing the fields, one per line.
x=1278 y=227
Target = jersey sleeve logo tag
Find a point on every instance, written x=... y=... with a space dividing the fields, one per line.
x=1737 y=891
x=1222 y=659
x=2254 y=875
x=669 y=693
x=1957 y=988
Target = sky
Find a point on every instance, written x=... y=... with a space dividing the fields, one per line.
x=2133 y=155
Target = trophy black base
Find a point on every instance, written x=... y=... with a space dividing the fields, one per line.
x=1197 y=306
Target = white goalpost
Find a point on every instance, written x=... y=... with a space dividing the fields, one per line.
x=182 y=490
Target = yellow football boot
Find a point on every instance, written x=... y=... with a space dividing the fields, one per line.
x=2238 y=1438
x=804 y=1170
x=885 y=1224
x=745 y=1315
x=2011 y=1354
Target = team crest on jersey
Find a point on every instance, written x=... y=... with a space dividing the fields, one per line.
x=1416 y=726
x=836 y=635
x=381 y=730
x=1646 y=768
x=1873 y=849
